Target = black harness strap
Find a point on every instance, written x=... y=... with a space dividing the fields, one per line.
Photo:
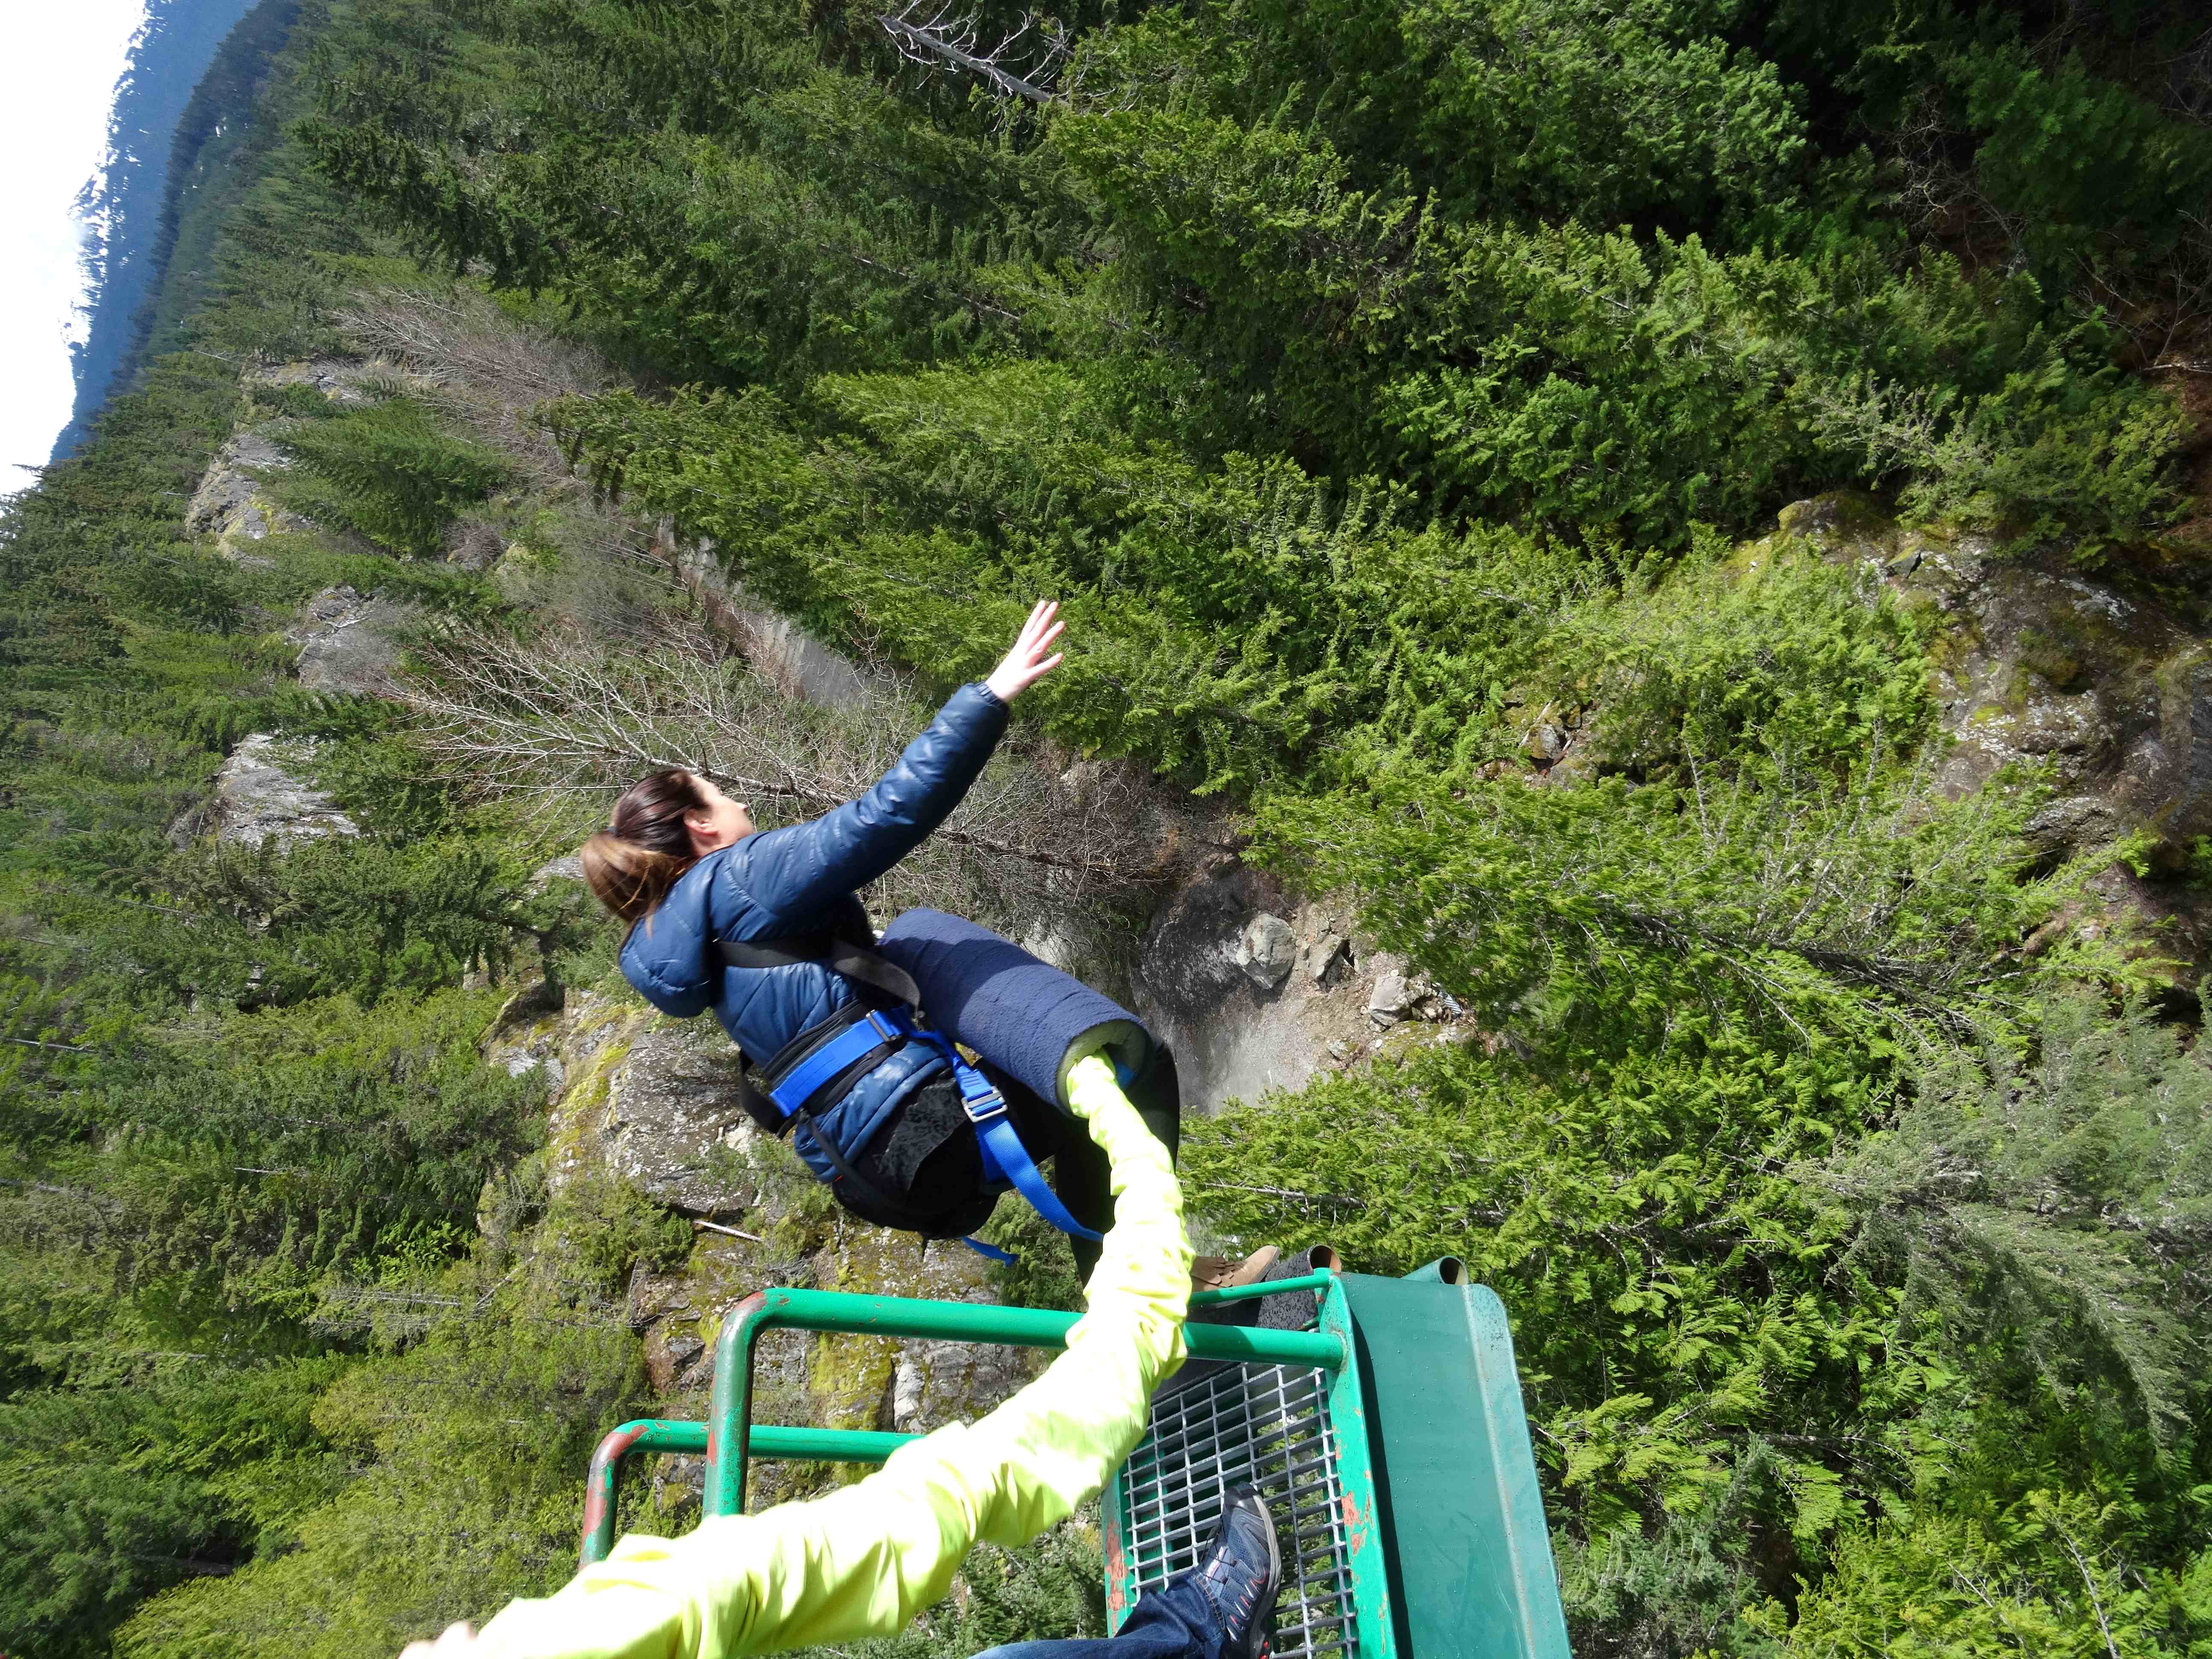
x=826 y=950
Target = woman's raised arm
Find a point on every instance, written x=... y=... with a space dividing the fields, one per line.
x=798 y=870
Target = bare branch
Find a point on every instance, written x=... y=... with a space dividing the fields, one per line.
x=947 y=37
x=560 y=720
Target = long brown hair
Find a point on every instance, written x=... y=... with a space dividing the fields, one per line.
x=632 y=863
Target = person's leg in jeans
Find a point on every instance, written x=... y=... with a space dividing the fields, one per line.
x=1176 y=1622
x=1223 y=1608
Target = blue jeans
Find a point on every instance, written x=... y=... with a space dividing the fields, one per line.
x=1177 y=1622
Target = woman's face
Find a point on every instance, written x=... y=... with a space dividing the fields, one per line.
x=719 y=822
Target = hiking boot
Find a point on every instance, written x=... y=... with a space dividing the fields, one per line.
x=1241 y=1574
x=1218 y=1273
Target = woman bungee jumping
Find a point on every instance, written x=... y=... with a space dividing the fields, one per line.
x=766 y=928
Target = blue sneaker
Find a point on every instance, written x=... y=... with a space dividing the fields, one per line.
x=1242 y=1573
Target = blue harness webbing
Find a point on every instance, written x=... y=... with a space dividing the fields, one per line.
x=1004 y=1157
x=798 y=1085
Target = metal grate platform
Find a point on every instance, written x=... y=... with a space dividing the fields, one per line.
x=1265 y=1425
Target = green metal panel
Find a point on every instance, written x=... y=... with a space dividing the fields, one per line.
x=1366 y=1536
x=1471 y=1556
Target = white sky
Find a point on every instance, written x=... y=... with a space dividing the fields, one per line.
x=59 y=60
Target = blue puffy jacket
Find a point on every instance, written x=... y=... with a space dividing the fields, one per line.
x=801 y=880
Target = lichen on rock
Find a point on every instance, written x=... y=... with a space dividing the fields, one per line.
x=349 y=642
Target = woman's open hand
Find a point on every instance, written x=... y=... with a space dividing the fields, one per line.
x=1027 y=663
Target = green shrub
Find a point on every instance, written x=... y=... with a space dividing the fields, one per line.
x=464 y=1450
x=388 y=470
x=1791 y=663
x=172 y=1472
x=607 y=1227
x=2054 y=1206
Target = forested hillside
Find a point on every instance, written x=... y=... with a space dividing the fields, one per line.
x=1400 y=397
x=188 y=69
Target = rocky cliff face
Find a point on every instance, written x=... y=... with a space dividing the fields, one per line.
x=232 y=506
x=347 y=644
x=258 y=798
x=1258 y=989
x=2107 y=693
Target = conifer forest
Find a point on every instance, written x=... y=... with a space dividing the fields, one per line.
x=1671 y=539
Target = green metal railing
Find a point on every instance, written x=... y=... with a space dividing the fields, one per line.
x=768 y=1441
x=1317 y=1281
x=1389 y=1442
x=730 y=1439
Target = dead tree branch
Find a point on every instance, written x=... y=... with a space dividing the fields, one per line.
x=563 y=720
x=947 y=37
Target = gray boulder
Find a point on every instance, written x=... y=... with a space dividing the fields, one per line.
x=1389 y=1001
x=1266 y=950
x=255 y=800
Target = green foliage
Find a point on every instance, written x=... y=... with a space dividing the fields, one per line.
x=276 y=925
x=263 y=1153
x=1611 y=916
x=173 y=1473
x=1666 y=1287
x=1696 y=995
x=439 y=589
x=807 y=1212
x=1043 y=1273
x=1235 y=623
x=185 y=1188
x=466 y=1446
x=607 y=1227
x=388 y=470
x=2017 y=1530
x=1789 y=664
x=2045 y=1583
x=1689 y=990
x=198 y=590
x=2070 y=159
x=2064 y=1203
x=1410 y=272
x=2040 y=454
x=391 y=786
